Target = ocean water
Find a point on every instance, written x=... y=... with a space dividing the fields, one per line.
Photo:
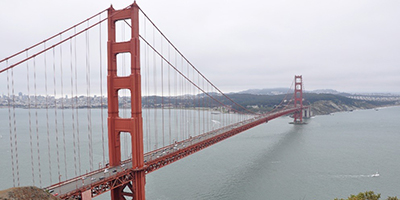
x=332 y=156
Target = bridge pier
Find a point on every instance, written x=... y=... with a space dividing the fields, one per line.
x=87 y=195
x=307 y=113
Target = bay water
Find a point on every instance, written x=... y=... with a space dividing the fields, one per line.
x=332 y=156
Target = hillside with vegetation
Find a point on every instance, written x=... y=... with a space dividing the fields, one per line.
x=368 y=195
x=321 y=104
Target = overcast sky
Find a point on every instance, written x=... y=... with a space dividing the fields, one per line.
x=350 y=46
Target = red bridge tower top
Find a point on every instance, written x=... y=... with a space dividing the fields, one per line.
x=298 y=98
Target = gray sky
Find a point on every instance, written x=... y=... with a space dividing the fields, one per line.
x=350 y=46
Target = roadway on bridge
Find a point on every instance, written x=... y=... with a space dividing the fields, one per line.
x=86 y=180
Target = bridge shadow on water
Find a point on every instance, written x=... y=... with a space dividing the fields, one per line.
x=240 y=167
x=255 y=178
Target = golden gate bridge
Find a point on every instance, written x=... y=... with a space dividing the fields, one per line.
x=160 y=107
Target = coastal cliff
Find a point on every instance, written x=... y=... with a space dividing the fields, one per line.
x=325 y=107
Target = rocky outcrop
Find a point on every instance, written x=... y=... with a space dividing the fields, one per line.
x=30 y=192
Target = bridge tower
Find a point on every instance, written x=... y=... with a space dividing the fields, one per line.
x=132 y=82
x=298 y=99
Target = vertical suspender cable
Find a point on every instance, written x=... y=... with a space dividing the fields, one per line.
x=181 y=103
x=148 y=119
x=183 y=111
x=162 y=96
x=155 y=92
x=195 y=108
x=47 y=114
x=182 y=100
x=73 y=105
x=10 y=124
x=148 y=102
x=146 y=89
x=198 y=102
x=203 y=105
x=37 y=122
x=55 y=113
x=180 y=92
x=192 y=111
x=194 y=105
x=15 y=128
x=187 y=111
x=30 y=120
x=169 y=98
x=208 y=109
x=212 y=107
x=76 y=107
x=212 y=123
x=101 y=95
x=176 y=102
x=179 y=113
x=89 y=120
x=62 y=112
x=184 y=120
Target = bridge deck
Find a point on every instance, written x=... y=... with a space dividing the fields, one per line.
x=107 y=178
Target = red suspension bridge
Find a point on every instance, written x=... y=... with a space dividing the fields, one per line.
x=161 y=108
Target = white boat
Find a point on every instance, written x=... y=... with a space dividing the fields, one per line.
x=375 y=175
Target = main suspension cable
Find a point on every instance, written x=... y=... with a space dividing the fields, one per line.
x=182 y=75
x=176 y=49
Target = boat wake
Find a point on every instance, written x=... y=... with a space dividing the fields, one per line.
x=357 y=176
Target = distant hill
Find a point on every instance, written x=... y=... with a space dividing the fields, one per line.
x=321 y=103
x=325 y=91
x=276 y=91
x=266 y=91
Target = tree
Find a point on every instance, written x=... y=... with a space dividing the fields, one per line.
x=368 y=195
